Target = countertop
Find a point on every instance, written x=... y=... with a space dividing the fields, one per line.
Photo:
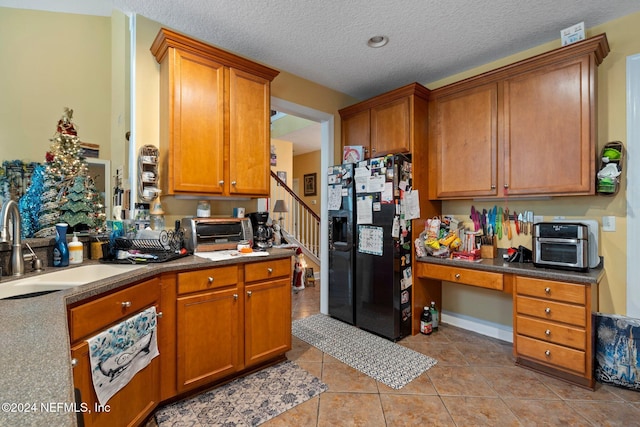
x=499 y=265
x=35 y=360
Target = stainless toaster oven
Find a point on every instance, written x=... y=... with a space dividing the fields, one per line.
x=563 y=245
x=213 y=234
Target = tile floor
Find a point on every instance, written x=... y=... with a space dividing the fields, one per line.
x=475 y=383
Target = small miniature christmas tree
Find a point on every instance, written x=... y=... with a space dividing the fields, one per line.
x=66 y=160
x=77 y=208
x=49 y=211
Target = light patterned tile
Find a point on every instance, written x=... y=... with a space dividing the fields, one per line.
x=413 y=410
x=479 y=411
x=533 y=413
x=350 y=409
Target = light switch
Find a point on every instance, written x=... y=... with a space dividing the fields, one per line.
x=608 y=223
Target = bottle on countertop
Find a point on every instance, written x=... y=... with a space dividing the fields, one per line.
x=61 y=250
x=435 y=315
x=426 y=322
x=75 y=250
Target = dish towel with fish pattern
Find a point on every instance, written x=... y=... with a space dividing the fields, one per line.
x=122 y=351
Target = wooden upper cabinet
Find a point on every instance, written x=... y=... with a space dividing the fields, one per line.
x=464 y=143
x=214 y=119
x=549 y=141
x=526 y=129
x=393 y=122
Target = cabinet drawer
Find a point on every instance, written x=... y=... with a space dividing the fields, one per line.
x=552 y=332
x=266 y=270
x=466 y=276
x=200 y=280
x=550 y=310
x=95 y=316
x=552 y=354
x=559 y=291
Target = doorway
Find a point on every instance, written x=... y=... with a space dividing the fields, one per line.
x=326 y=121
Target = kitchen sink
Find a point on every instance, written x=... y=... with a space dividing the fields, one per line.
x=62 y=279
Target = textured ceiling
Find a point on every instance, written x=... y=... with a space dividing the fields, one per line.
x=325 y=41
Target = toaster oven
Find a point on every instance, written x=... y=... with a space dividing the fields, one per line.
x=562 y=245
x=214 y=234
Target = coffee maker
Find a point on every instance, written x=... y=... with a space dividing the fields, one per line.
x=262 y=233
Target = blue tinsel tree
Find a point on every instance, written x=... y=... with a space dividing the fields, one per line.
x=29 y=203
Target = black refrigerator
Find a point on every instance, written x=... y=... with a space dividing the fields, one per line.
x=384 y=207
x=341 y=206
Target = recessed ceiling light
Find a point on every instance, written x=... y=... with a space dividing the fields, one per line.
x=377 y=41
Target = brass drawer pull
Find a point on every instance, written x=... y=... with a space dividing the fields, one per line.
x=547 y=353
x=210 y=279
x=547 y=291
x=248 y=293
x=126 y=304
x=547 y=310
x=235 y=297
x=74 y=362
x=159 y=315
x=270 y=270
x=221 y=182
x=547 y=332
x=457 y=276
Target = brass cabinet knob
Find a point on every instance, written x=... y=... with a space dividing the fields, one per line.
x=547 y=310
x=233 y=182
x=221 y=182
x=547 y=353
x=210 y=279
x=270 y=270
x=74 y=362
x=126 y=304
x=249 y=293
x=547 y=332
x=547 y=290
x=235 y=296
x=457 y=276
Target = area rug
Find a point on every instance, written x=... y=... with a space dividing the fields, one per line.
x=247 y=401
x=381 y=359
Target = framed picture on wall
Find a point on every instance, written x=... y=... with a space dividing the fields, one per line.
x=282 y=175
x=310 y=184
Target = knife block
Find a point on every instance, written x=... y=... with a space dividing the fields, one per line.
x=489 y=251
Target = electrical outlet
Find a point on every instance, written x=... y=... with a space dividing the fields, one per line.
x=608 y=223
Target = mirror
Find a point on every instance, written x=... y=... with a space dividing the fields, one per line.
x=55 y=60
x=100 y=171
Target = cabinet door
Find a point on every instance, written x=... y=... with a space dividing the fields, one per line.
x=549 y=140
x=390 y=127
x=130 y=406
x=267 y=320
x=208 y=337
x=356 y=130
x=249 y=134
x=465 y=144
x=196 y=110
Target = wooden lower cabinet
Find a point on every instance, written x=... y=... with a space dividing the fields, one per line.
x=137 y=400
x=553 y=328
x=267 y=320
x=209 y=329
x=216 y=323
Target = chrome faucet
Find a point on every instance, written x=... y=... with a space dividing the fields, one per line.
x=10 y=209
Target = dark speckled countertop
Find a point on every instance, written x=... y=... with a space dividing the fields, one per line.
x=499 y=265
x=35 y=359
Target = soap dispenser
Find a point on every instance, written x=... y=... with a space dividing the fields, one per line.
x=75 y=250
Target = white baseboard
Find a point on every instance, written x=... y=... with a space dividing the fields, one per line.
x=483 y=327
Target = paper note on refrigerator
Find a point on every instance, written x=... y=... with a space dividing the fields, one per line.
x=376 y=184
x=370 y=240
x=364 y=210
x=411 y=205
x=334 y=198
